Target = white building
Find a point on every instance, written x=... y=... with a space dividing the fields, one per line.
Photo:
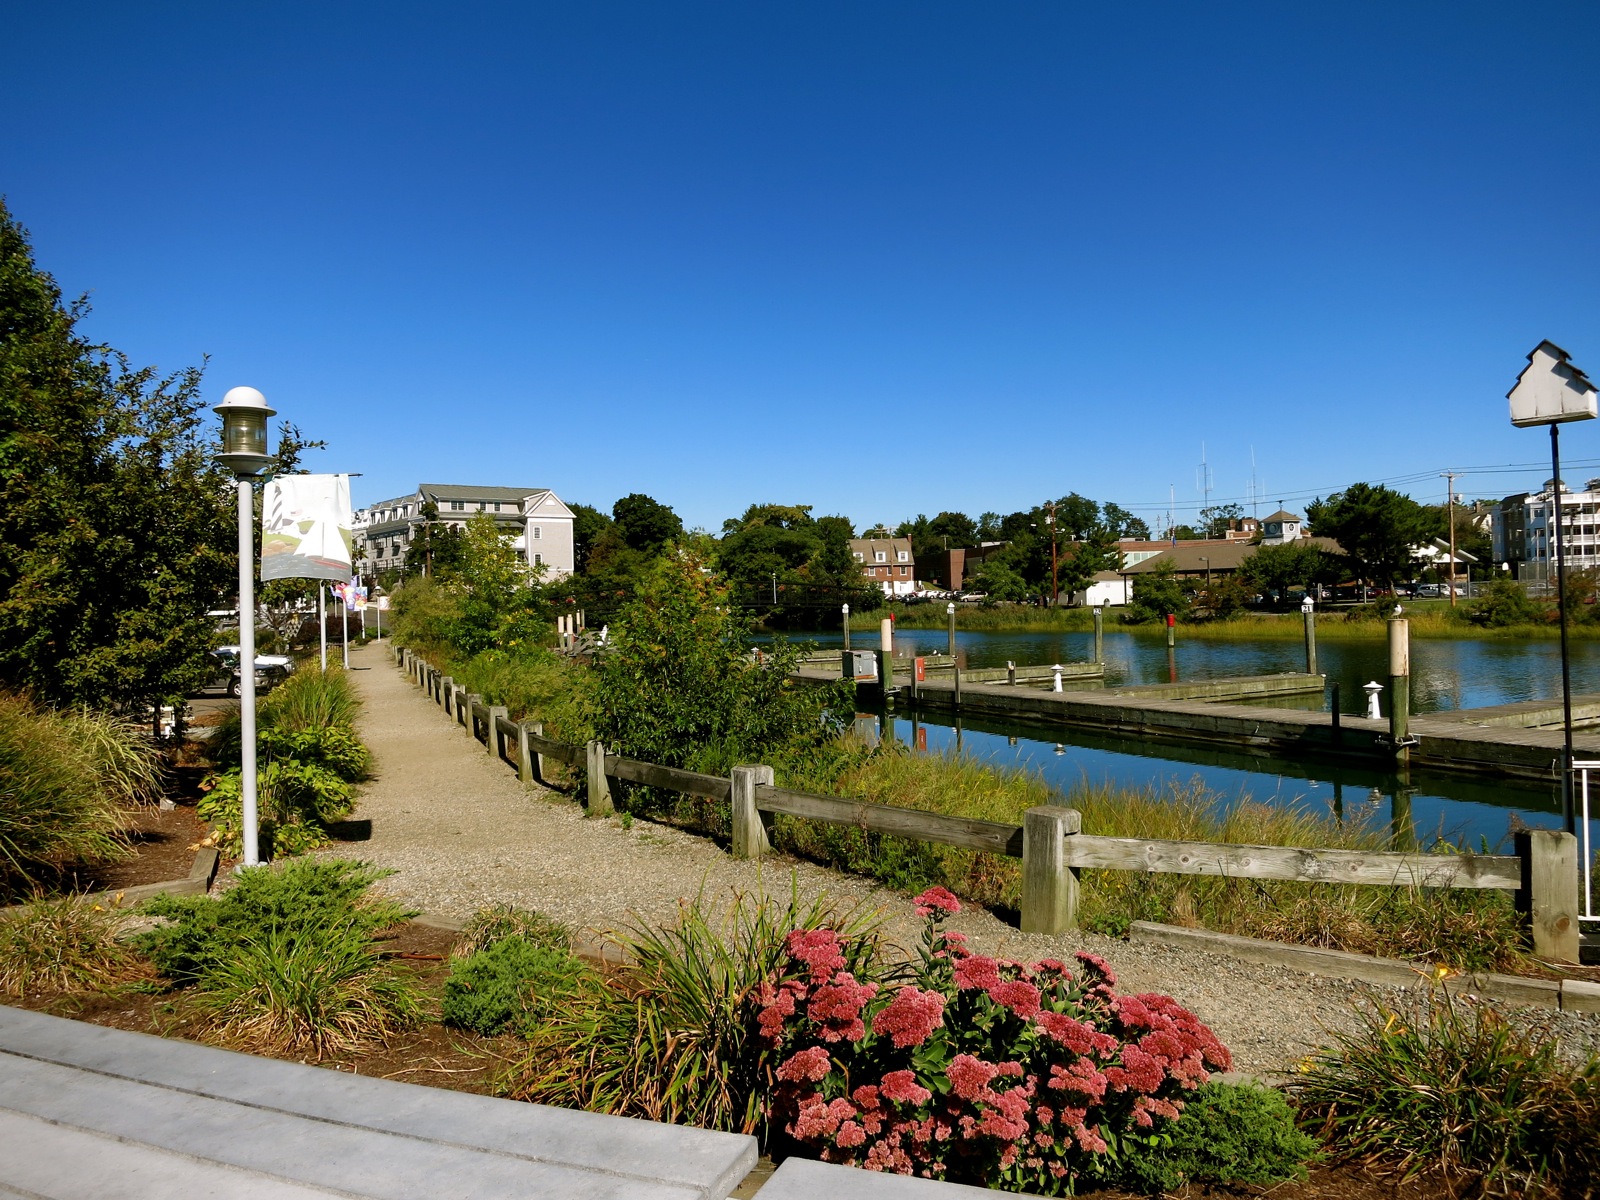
x=1523 y=525
x=385 y=531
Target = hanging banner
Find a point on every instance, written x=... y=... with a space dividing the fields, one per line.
x=306 y=527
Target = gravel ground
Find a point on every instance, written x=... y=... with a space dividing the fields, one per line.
x=461 y=831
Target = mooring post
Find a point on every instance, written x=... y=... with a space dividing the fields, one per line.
x=1311 y=636
x=1172 y=631
x=1011 y=673
x=496 y=711
x=1049 y=885
x=950 y=611
x=1549 y=896
x=1399 y=686
x=750 y=824
x=957 y=671
x=846 y=609
x=1338 y=732
x=599 y=783
x=1099 y=634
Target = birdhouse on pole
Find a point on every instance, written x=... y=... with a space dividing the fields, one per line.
x=1550 y=389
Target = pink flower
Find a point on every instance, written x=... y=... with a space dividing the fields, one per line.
x=903 y=1088
x=1097 y=971
x=1090 y=1139
x=1078 y=1081
x=1138 y=1072
x=850 y=1134
x=1074 y=1034
x=1019 y=996
x=807 y=1066
x=818 y=949
x=977 y=971
x=837 y=1008
x=910 y=1017
x=818 y=1120
x=969 y=1076
x=938 y=903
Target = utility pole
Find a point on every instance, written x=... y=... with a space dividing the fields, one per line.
x=1450 y=508
x=1055 y=592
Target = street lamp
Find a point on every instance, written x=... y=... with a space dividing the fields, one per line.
x=244 y=414
x=1551 y=391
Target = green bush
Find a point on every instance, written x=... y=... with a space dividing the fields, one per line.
x=304 y=894
x=511 y=985
x=1228 y=1133
x=308 y=700
x=496 y=922
x=1503 y=602
x=1448 y=1086
x=1154 y=596
x=64 y=780
x=295 y=801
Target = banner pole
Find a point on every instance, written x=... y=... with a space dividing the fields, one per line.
x=344 y=610
x=322 y=622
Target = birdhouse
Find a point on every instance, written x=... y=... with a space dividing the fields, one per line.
x=1551 y=389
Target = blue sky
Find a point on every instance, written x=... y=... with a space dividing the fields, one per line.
x=880 y=258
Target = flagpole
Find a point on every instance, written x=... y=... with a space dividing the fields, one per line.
x=322 y=622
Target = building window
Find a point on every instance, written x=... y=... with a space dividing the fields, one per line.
x=497 y=506
x=538 y=535
x=480 y=505
x=860 y=557
x=538 y=560
x=902 y=556
x=879 y=556
x=457 y=505
x=905 y=570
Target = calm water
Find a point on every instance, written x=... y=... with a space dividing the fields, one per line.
x=1445 y=675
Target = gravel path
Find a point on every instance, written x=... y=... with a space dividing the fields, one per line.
x=461 y=831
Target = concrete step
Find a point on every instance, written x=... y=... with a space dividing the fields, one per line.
x=166 y=1106
x=804 y=1179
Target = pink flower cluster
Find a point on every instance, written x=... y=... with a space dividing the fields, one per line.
x=980 y=1069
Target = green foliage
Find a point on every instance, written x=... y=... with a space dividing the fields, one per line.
x=682 y=685
x=997 y=581
x=1155 y=595
x=1228 y=1133
x=513 y=984
x=1375 y=526
x=1449 y=1086
x=304 y=894
x=496 y=922
x=64 y=780
x=317 y=988
x=1291 y=565
x=65 y=946
x=646 y=524
x=1224 y=598
x=672 y=1036
x=533 y=683
x=116 y=524
x=1501 y=603
x=295 y=801
x=1218 y=519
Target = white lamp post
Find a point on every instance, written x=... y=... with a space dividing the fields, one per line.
x=845 y=608
x=244 y=414
x=1551 y=391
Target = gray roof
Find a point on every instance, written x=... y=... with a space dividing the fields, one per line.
x=466 y=491
x=1283 y=514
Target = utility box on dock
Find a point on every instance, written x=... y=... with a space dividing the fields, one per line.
x=861 y=666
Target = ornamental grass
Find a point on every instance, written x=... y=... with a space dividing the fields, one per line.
x=64 y=946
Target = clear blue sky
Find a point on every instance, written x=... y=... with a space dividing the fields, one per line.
x=881 y=258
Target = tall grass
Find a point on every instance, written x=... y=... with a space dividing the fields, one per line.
x=310 y=699
x=533 y=684
x=65 y=778
x=1470 y=929
x=63 y=946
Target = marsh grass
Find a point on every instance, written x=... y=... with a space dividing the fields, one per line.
x=66 y=778
x=64 y=946
x=672 y=1036
x=1446 y=1086
x=496 y=922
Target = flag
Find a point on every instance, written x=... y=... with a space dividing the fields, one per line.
x=306 y=527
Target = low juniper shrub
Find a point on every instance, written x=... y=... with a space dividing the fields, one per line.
x=1028 y=1077
x=509 y=986
x=1227 y=1133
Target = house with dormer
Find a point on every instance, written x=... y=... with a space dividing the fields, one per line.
x=536 y=522
x=887 y=562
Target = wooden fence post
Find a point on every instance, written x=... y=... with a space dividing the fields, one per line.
x=447 y=693
x=464 y=704
x=1549 y=895
x=750 y=838
x=496 y=711
x=599 y=785
x=525 y=755
x=1049 y=885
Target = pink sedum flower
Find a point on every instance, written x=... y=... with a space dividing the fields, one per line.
x=910 y=1017
x=938 y=903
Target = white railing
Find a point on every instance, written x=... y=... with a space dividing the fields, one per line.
x=1581 y=769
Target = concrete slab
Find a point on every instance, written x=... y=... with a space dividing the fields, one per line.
x=323 y=1128
x=806 y=1179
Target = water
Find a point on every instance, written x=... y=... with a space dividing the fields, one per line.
x=1446 y=675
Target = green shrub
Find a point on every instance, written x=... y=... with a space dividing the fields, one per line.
x=295 y=801
x=534 y=683
x=304 y=894
x=512 y=984
x=63 y=946
x=496 y=922
x=318 y=988
x=1449 y=1086
x=1503 y=602
x=1228 y=1133
x=308 y=700
x=64 y=779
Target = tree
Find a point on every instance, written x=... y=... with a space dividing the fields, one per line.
x=499 y=601
x=1076 y=517
x=646 y=525
x=998 y=581
x=588 y=523
x=954 y=528
x=1123 y=523
x=1218 y=519
x=1375 y=526
x=1155 y=594
x=1085 y=559
x=437 y=546
x=1291 y=565
x=117 y=526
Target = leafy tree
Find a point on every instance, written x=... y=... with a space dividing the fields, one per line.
x=1076 y=517
x=1375 y=526
x=998 y=581
x=437 y=547
x=1218 y=519
x=1291 y=565
x=646 y=525
x=1226 y=595
x=1155 y=594
x=1180 y=533
x=117 y=526
x=588 y=524
x=1123 y=523
x=1096 y=552
x=782 y=516
x=988 y=529
x=1503 y=602
x=955 y=527
x=500 y=603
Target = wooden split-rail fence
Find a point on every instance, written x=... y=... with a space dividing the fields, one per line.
x=1543 y=872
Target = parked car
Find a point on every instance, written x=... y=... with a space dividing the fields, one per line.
x=271 y=670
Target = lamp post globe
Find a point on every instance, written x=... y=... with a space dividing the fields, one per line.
x=244 y=412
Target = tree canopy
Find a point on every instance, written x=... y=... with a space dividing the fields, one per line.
x=1375 y=526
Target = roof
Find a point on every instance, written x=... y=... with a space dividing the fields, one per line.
x=1196 y=558
x=865 y=544
x=467 y=491
x=1283 y=514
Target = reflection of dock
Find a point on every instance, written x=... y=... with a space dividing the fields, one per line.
x=1476 y=742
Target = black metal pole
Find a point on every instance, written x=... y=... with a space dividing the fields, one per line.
x=1568 y=816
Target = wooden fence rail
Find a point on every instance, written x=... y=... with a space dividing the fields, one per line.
x=1049 y=841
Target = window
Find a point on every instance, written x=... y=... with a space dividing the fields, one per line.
x=860 y=557
x=497 y=506
x=905 y=570
x=480 y=505
x=879 y=556
x=902 y=556
x=457 y=505
x=538 y=535
x=538 y=560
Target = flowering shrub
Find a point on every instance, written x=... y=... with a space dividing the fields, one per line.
x=979 y=1069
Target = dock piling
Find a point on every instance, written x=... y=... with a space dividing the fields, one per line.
x=1099 y=634
x=1311 y=637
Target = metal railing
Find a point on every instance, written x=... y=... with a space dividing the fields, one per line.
x=1582 y=768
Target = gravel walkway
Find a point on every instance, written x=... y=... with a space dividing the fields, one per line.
x=461 y=831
